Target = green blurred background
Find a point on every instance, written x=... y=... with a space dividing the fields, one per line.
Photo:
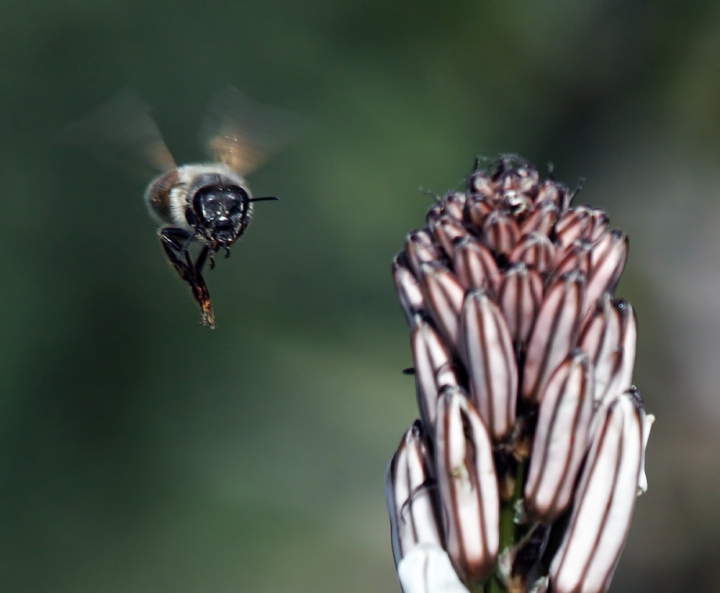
x=141 y=452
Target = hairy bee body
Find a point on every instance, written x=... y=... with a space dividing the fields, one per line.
x=169 y=196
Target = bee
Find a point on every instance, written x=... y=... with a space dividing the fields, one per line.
x=207 y=203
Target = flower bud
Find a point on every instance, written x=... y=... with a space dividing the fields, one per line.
x=409 y=292
x=477 y=207
x=445 y=296
x=610 y=338
x=608 y=257
x=490 y=360
x=520 y=299
x=560 y=438
x=421 y=249
x=468 y=486
x=408 y=491
x=535 y=250
x=582 y=222
x=454 y=205
x=448 y=232
x=475 y=266
x=433 y=370
x=549 y=191
x=501 y=231
x=577 y=257
x=541 y=220
x=479 y=183
x=604 y=501
x=554 y=333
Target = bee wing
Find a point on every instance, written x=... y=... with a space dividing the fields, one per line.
x=122 y=131
x=243 y=133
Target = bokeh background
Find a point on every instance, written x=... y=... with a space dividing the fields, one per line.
x=141 y=452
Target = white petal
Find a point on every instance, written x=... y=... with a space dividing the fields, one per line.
x=427 y=569
x=648 y=421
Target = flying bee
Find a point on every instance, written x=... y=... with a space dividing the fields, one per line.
x=209 y=203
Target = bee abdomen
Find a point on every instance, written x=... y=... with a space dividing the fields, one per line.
x=157 y=196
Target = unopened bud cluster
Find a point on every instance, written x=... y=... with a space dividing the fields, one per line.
x=523 y=469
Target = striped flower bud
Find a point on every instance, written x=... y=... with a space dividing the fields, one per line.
x=490 y=360
x=560 y=438
x=475 y=266
x=445 y=295
x=421 y=249
x=577 y=257
x=454 y=205
x=610 y=339
x=554 y=333
x=433 y=370
x=520 y=299
x=608 y=259
x=501 y=231
x=477 y=207
x=468 y=487
x=541 y=220
x=482 y=185
x=549 y=191
x=582 y=222
x=448 y=232
x=408 y=288
x=408 y=490
x=536 y=250
x=604 y=501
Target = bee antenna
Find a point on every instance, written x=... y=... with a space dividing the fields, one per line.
x=264 y=199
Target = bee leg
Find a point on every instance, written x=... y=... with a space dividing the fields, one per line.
x=200 y=290
x=203 y=258
x=174 y=242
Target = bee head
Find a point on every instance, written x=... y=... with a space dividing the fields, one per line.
x=220 y=213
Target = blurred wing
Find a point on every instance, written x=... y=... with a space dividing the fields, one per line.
x=122 y=131
x=243 y=133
